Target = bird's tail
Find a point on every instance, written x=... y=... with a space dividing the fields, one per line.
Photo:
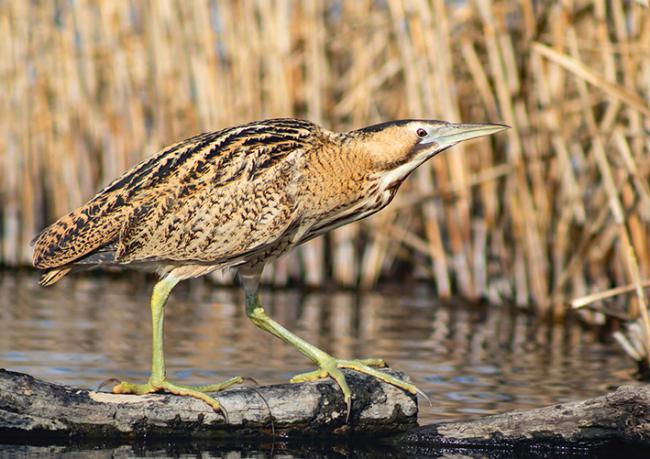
x=54 y=275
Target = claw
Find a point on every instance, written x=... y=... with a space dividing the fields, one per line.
x=425 y=396
x=106 y=382
x=348 y=403
x=249 y=380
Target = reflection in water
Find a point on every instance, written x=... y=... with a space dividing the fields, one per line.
x=470 y=360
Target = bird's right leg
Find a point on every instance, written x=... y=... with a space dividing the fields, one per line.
x=327 y=365
x=158 y=380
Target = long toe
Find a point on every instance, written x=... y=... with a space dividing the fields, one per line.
x=361 y=367
x=372 y=362
x=214 y=387
x=310 y=376
x=199 y=392
x=358 y=365
x=333 y=372
x=332 y=367
x=136 y=389
x=188 y=392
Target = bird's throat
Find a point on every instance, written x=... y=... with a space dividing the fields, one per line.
x=391 y=180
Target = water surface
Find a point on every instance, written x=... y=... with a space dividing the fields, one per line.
x=471 y=360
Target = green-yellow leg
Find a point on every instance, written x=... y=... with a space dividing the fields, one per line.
x=158 y=380
x=327 y=365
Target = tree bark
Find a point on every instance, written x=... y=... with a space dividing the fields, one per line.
x=34 y=411
x=621 y=417
x=31 y=408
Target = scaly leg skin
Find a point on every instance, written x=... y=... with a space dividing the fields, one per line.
x=327 y=365
x=158 y=380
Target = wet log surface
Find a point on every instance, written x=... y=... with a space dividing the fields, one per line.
x=31 y=408
x=383 y=417
x=621 y=417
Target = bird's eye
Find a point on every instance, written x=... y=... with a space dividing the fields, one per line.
x=422 y=132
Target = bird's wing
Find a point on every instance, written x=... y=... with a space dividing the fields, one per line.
x=192 y=191
x=98 y=222
x=251 y=207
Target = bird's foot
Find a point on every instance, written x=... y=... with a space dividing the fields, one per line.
x=330 y=366
x=199 y=392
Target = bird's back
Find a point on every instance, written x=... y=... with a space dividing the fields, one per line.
x=121 y=223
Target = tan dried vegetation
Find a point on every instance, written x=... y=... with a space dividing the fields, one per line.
x=557 y=209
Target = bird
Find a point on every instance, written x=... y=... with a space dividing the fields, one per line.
x=238 y=198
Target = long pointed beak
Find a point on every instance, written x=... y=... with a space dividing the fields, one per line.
x=451 y=134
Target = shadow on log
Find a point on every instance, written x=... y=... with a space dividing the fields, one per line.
x=31 y=408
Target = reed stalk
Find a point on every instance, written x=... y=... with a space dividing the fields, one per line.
x=556 y=209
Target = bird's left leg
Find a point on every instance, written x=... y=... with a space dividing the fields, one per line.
x=158 y=379
x=327 y=365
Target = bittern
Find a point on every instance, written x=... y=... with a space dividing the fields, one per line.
x=239 y=198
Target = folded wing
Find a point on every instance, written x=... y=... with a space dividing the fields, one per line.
x=211 y=197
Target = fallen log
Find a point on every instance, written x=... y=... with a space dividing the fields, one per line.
x=33 y=409
x=35 y=412
x=620 y=417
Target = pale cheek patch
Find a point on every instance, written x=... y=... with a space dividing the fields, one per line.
x=398 y=174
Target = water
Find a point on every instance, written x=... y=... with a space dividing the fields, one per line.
x=471 y=360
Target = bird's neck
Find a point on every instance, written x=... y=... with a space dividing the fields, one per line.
x=335 y=174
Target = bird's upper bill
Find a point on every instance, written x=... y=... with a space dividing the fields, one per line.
x=448 y=134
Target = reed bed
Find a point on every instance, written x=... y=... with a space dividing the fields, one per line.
x=556 y=209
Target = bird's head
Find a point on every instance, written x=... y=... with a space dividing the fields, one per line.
x=407 y=143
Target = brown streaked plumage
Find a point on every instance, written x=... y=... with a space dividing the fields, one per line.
x=166 y=208
x=237 y=198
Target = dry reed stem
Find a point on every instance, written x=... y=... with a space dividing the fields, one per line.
x=584 y=72
x=586 y=300
x=93 y=87
x=615 y=205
